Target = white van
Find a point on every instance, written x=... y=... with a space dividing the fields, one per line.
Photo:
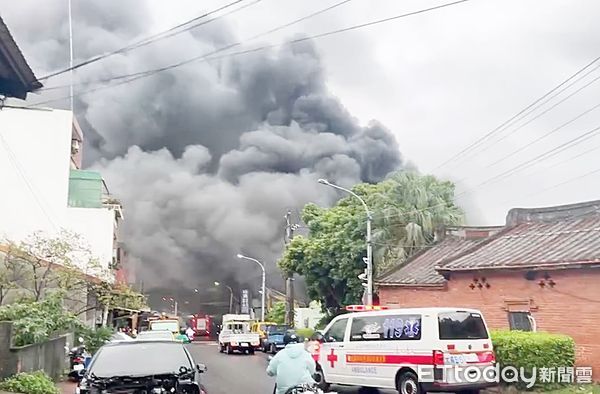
x=409 y=350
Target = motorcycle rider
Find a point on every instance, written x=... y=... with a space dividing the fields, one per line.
x=292 y=366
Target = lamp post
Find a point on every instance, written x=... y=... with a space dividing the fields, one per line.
x=264 y=279
x=369 y=260
x=230 y=294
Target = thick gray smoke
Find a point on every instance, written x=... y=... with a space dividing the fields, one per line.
x=206 y=158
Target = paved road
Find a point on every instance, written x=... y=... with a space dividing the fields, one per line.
x=239 y=373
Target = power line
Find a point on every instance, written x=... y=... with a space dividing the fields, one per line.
x=565 y=182
x=12 y=157
x=296 y=21
x=208 y=57
x=534 y=118
x=476 y=143
x=545 y=135
x=552 y=152
x=155 y=37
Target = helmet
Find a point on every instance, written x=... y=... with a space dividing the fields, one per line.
x=290 y=337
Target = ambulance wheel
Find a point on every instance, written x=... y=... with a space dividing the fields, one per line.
x=251 y=351
x=229 y=349
x=221 y=348
x=408 y=384
x=320 y=379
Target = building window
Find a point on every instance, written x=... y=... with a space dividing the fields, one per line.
x=520 y=321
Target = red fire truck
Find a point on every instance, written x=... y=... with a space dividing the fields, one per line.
x=201 y=324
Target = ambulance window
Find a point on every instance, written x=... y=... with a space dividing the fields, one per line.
x=386 y=328
x=461 y=325
x=337 y=331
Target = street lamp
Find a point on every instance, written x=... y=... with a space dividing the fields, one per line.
x=230 y=294
x=264 y=279
x=369 y=260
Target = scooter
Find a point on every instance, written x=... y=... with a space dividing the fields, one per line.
x=77 y=358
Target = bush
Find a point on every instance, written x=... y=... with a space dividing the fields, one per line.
x=305 y=332
x=30 y=383
x=35 y=322
x=526 y=350
x=93 y=339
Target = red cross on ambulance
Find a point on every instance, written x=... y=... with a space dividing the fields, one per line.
x=332 y=358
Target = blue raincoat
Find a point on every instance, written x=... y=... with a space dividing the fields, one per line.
x=292 y=366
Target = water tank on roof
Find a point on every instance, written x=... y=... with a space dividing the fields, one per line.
x=85 y=189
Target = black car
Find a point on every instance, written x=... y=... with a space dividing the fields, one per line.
x=142 y=367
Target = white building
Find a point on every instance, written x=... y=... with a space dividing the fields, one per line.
x=308 y=317
x=42 y=186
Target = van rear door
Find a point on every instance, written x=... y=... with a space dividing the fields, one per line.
x=464 y=338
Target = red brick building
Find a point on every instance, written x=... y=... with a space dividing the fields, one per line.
x=542 y=270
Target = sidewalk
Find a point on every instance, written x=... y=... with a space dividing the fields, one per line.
x=67 y=387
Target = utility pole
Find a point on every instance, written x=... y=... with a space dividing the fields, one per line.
x=289 y=280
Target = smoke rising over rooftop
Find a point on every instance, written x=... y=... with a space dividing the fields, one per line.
x=206 y=158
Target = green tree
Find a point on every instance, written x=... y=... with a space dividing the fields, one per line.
x=277 y=313
x=407 y=208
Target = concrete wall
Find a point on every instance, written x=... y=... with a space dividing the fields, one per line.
x=48 y=356
x=571 y=306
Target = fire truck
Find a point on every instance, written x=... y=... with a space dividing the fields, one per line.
x=201 y=324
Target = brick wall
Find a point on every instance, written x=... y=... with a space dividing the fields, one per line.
x=571 y=307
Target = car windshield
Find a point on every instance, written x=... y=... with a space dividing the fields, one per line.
x=165 y=325
x=155 y=335
x=139 y=359
x=278 y=329
x=461 y=325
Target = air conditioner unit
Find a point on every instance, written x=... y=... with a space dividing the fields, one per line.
x=74 y=147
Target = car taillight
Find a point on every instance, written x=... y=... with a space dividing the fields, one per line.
x=438 y=357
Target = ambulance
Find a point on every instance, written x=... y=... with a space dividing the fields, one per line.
x=409 y=350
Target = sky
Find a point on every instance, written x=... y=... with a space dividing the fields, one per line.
x=416 y=91
x=443 y=79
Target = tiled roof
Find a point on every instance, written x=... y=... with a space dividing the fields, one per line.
x=558 y=243
x=419 y=270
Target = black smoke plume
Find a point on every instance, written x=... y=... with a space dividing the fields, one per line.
x=206 y=158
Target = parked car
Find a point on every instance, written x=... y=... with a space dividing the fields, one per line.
x=120 y=336
x=142 y=366
x=274 y=339
x=261 y=328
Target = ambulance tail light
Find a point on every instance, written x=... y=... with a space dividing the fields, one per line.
x=438 y=357
x=451 y=347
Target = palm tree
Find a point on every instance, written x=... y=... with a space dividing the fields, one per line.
x=408 y=208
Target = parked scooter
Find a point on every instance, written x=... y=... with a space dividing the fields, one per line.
x=77 y=358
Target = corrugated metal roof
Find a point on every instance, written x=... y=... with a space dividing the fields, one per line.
x=419 y=269
x=534 y=245
x=16 y=77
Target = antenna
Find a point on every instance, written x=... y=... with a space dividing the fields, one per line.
x=71 y=53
